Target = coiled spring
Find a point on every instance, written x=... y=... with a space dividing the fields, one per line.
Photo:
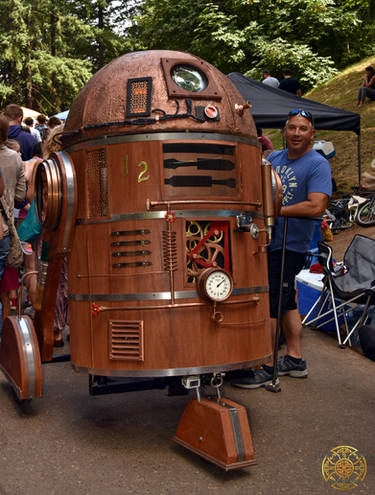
x=169 y=251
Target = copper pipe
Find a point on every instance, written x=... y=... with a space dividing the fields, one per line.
x=151 y=204
x=268 y=201
x=255 y=299
x=242 y=323
x=122 y=275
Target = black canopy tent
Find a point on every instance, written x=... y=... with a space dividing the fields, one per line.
x=270 y=107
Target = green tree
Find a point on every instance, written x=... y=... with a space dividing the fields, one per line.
x=50 y=48
x=312 y=37
x=108 y=21
x=38 y=64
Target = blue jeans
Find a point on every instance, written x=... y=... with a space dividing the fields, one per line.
x=363 y=92
x=4 y=250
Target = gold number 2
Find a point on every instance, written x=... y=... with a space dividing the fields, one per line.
x=142 y=177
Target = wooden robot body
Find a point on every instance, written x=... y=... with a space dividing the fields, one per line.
x=167 y=266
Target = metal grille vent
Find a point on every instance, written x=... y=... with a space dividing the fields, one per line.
x=138 y=97
x=126 y=340
x=97 y=183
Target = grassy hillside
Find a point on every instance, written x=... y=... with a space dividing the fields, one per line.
x=341 y=92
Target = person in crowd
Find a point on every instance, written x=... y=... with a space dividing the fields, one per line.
x=269 y=80
x=290 y=84
x=41 y=125
x=14 y=114
x=264 y=141
x=9 y=283
x=53 y=122
x=368 y=86
x=24 y=211
x=306 y=183
x=29 y=123
x=12 y=172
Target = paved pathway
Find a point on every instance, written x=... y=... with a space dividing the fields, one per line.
x=71 y=443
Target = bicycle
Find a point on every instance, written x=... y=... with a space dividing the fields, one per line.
x=357 y=208
x=365 y=216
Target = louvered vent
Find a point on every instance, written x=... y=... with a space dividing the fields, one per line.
x=97 y=183
x=126 y=340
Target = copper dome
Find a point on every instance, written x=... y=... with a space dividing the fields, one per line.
x=102 y=106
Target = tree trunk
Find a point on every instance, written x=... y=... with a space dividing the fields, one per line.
x=371 y=9
x=100 y=45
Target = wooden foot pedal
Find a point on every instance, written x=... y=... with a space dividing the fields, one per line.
x=217 y=430
x=20 y=358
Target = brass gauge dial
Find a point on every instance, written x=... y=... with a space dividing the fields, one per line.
x=215 y=284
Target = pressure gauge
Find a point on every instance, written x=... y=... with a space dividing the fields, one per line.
x=215 y=284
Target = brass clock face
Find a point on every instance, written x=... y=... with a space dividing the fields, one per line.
x=216 y=284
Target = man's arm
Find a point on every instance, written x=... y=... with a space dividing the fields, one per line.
x=314 y=206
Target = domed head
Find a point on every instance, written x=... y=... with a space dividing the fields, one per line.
x=157 y=91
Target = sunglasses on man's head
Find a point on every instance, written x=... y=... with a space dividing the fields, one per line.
x=300 y=111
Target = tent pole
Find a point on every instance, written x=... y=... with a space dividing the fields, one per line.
x=359 y=158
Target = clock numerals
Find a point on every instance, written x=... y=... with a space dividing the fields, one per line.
x=216 y=284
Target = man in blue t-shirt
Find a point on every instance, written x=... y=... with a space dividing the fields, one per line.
x=306 y=184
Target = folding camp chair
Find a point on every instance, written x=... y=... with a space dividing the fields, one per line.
x=346 y=287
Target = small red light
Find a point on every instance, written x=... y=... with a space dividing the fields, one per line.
x=210 y=112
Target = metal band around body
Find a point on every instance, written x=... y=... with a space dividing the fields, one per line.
x=156 y=215
x=164 y=136
x=158 y=296
x=194 y=370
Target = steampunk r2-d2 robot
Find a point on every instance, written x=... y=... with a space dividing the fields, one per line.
x=162 y=204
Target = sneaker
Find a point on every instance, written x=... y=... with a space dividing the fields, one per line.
x=256 y=379
x=287 y=367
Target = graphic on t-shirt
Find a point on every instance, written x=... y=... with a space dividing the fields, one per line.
x=288 y=181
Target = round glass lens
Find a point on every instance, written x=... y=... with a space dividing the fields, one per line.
x=189 y=78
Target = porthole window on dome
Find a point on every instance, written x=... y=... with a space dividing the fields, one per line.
x=189 y=78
